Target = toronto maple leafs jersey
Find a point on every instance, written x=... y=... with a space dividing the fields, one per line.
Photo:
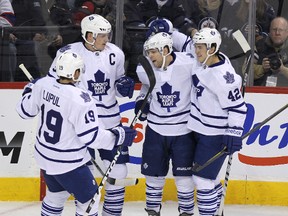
x=216 y=100
x=170 y=98
x=102 y=69
x=182 y=42
x=67 y=125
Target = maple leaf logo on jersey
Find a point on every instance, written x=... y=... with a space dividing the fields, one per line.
x=167 y=99
x=229 y=77
x=99 y=86
x=85 y=96
x=198 y=89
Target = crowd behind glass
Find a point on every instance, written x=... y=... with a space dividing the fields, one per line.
x=35 y=29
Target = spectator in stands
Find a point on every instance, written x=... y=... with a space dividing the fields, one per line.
x=132 y=15
x=61 y=15
x=203 y=12
x=136 y=31
x=28 y=13
x=271 y=67
x=105 y=8
x=228 y=16
x=170 y=9
x=265 y=13
x=7 y=45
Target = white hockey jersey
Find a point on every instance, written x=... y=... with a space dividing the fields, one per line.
x=182 y=42
x=170 y=101
x=67 y=125
x=102 y=69
x=6 y=13
x=216 y=99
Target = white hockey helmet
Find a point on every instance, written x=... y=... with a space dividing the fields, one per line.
x=159 y=41
x=67 y=63
x=208 y=36
x=96 y=24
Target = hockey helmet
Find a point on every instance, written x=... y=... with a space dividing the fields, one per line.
x=67 y=63
x=208 y=36
x=159 y=41
x=96 y=24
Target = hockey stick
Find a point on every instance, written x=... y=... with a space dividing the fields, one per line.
x=113 y=181
x=150 y=73
x=197 y=167
x=26 y=72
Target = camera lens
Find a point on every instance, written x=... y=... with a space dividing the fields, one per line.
x=274 y=60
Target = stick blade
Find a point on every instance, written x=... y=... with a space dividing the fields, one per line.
x=126 y=182
x=148 y=69
x=239 y=37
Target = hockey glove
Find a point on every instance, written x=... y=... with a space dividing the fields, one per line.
x=125 y=86
x=124 y=135
x=232 y=140
x=28 y=88
x=159 y=25
x=145 y=110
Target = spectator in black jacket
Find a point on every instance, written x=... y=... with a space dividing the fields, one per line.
x=271 y=67
x=7 y=43
x=28 y=13
x=170 y=9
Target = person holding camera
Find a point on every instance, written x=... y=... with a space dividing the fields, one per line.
x=271 y=64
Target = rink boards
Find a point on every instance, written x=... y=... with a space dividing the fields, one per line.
x=258 y=174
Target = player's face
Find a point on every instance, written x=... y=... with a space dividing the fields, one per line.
x=101 y=41
x=156 y=57
x=201 y=52
x=77 y=75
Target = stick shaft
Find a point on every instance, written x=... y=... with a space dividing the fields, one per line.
x=219 y=154
x=26 y=72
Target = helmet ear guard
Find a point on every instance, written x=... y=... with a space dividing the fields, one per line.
x=68 y=63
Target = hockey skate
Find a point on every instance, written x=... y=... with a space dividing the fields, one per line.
x=185 y=214
x=152 y=212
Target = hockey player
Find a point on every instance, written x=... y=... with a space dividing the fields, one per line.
x=167 y=136
x=104 y=78
x=182 y=43
x=68 y=125
x=217 y=114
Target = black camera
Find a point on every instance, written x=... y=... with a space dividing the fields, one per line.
x=275 y=61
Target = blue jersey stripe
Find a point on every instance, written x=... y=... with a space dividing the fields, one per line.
x=58 y=161
x=208 y=125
